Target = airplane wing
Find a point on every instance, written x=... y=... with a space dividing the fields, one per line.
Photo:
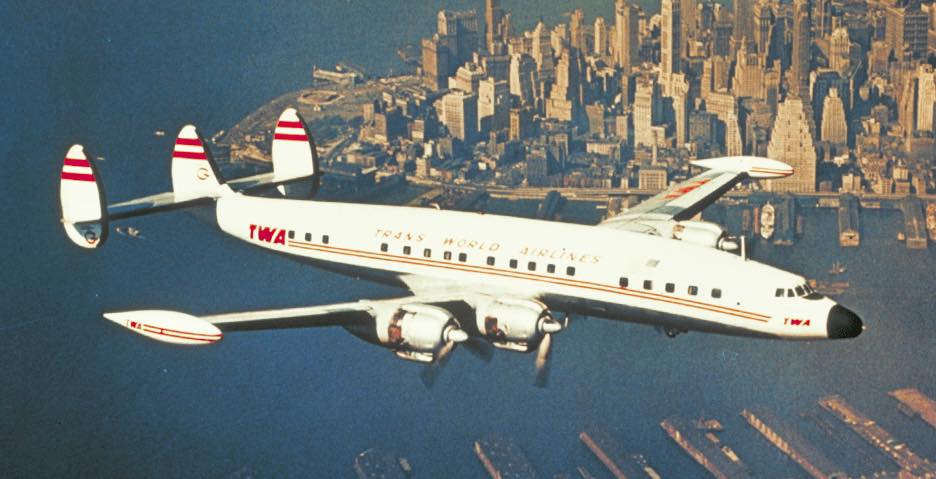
x=682 y=201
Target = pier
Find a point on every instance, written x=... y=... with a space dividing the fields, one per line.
x=915 y=226
x=788 y=441
x=703 y=445
x=870 y=431
x=849 y=232
x=377 y=464
x=613 y=456
x=502 y=459
x=916 y=403
x=549 y=208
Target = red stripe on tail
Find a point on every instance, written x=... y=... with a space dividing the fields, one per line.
x=290 y=124
x=188 y=141
x=77 y=162
x=285 y=136
x=66 y=175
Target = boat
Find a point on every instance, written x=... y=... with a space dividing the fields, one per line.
x=767 y=219
x=931 y=220
x=901 y=236
x=837 y=268
x=159 y=133
x=128 y=231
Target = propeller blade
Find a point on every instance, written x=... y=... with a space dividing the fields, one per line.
x=431 y=372
x=542 y=360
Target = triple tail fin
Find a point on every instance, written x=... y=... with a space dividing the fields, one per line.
x=194 y=172
x=294 y=157
x=84 y=214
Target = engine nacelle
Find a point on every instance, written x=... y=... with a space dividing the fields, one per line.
x=515 y=324
x=702 y=233
x=412 y=331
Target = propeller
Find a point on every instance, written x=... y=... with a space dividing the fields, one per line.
x=453 y=334
x=548 y=326
x=480 y=348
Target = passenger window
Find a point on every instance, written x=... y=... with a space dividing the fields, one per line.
x=447 y=255
x=570 y=271
x=308 y=237
x=789 y=293
x=550 y=268
x=693 y=290
x=670 y=287
x=427 y=253
x=462 y=257
x=716 y=293
x=325 y=239
x=292 y=234
x=406 y=250
x=622 y=282
x=779 y=293
x=384 y=247
x=513 y=264
x=490 y=261
x=531 y=266
x=648 y=284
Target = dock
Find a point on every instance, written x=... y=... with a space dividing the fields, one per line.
x=849 y=233
x=870 y=431
x=914 y=224
x=917 y=404
x=377 y=464
x=791 y=443
x=549 y=208
x=612 y=454
x=785 y=222
x=704 y=446
x=503 y=459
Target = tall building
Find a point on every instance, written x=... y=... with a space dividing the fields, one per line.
x=840 y=50
x=577 y=30
x=688 y=10
x=725 y=108
x=802 y=41
x=646 y=105
x=670 y=40
x=600 y=36
x=523 y=78
x=763 y=26
x=467 y=78
x=743 y=29
x=907 y=30
x=521 y=123
x=791 y=141
x=834 y=127
x=926 y=98
x=460 y=32
x=542 y=53
x=567 y=93
x=493 y=105
x=679 y=92
x=626 y=35
x=460 y=114
x=436 y=65
x=498 y=26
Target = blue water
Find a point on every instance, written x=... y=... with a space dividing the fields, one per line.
x=80 y=397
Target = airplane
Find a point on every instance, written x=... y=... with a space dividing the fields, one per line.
x=656 y=263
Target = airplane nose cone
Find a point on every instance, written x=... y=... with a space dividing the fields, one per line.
x=843 y=323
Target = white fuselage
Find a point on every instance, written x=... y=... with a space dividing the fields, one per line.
x=592 y=270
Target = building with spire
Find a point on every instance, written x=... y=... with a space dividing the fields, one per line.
x=626 y=42
x=834 y=126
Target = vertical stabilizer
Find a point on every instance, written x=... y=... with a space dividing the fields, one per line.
x=295 y=159
x=83 y=212
x=194 y=173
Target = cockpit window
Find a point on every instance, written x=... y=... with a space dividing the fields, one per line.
x=800 y=291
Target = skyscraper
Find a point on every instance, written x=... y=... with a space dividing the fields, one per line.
x=799 y=69
x=493 y=105
x=907 y=30
x=791 y=141
x=577 y=30
x=926 y=98
x=626 y=35
x=834 y=128
x=523 y=78
x=645 y=103
x=670 y=40
x=601 y=37
x=460 y=32
x=498 y=22
x=840 y=50
x=460 y=114
x=743 y=21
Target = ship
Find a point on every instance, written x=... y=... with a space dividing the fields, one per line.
x=767 y=219
x=837 y=268
x=931 y=220
x=159 y=133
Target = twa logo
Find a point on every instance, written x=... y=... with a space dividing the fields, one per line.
x=796 y=322
x=267 y=234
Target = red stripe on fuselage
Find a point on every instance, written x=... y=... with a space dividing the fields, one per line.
x=67 y=175
x=534 y=277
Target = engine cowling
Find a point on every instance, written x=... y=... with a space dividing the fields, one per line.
x=702 y=233
x=515 y=324
x=412 y=331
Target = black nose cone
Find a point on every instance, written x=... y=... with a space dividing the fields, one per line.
x=843 y=323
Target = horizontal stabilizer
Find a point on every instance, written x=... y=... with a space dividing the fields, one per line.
x=754 y=166
x=168 y=326
x=83 y=213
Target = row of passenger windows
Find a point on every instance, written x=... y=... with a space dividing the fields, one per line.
x=670 y=287
x=491 y=260
x=308 y=236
